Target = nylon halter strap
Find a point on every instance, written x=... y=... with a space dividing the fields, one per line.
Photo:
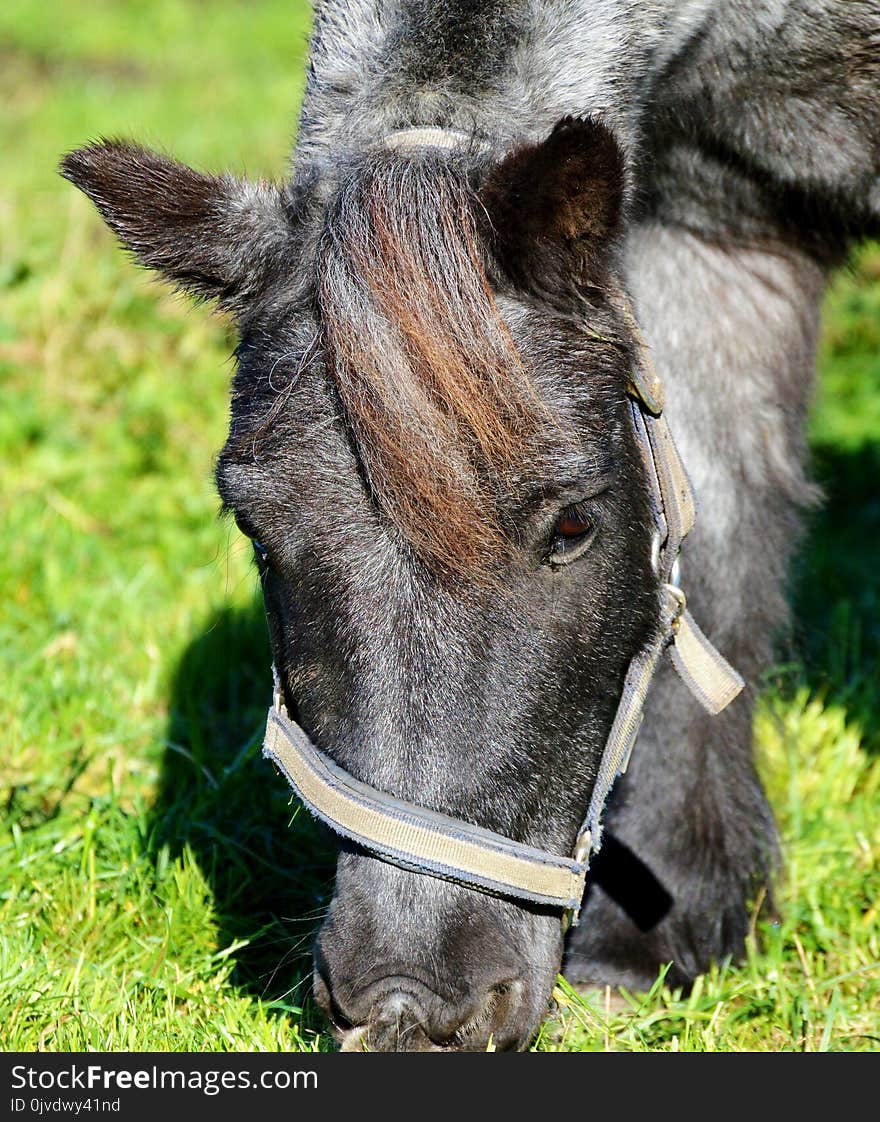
x=426 y=841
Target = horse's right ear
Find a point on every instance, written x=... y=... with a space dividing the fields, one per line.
x=556 y=207
x=214 y=236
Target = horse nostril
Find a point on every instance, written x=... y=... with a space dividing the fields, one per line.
x=489 y=1023
x=399 y=1021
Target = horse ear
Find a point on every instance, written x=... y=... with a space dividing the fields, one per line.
x=556 y=207
x=214 y=236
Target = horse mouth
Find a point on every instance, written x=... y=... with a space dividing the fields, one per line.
x=359 y=1040
x=400 y=1025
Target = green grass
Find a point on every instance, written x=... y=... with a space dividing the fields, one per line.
x=152 y=895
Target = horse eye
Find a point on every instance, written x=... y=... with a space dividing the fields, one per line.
x=573 y=522
x=247 y=529
x=572 y=534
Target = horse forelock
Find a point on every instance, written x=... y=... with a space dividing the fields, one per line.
x=433 y=388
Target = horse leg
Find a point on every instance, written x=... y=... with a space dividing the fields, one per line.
x=733 y=333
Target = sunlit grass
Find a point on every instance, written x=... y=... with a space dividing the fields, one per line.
x=811 y=982
x=154 y=893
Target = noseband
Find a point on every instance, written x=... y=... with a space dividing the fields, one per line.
x=426 y=841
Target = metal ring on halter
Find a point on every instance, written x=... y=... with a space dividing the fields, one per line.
x=583 y=847
x=656 y=550
x=656 y=546
x=680 y=606
x=277 y=691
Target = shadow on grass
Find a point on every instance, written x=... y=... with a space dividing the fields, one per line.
x=271 y=878
x=836 y=587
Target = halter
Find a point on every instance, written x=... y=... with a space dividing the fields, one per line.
x=426 y=841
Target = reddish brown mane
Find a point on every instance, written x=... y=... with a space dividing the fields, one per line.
x=431 y=383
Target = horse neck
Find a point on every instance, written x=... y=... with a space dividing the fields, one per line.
x=507 y=69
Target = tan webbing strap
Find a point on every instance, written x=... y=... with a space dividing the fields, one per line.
x=678 y=497
x=711 y=679
x=622 y=738
x=706 y=673
x=649 y=461
x=709 y=676
x=413 y=836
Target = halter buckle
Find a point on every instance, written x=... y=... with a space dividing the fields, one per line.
x=645 y=386
x=656 y=547
x=277 y=691
x=680 y=605
x=583 y=846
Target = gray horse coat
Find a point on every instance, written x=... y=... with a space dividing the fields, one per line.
x=423 y=315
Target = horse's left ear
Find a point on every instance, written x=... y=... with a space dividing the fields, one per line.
x=214 y=236
x=556 y=207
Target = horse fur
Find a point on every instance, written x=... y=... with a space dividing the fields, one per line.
x=726 y=161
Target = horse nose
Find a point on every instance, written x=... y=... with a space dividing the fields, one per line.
x=395 y=1015
x=401 y=1014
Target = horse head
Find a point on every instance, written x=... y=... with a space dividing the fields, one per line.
x=431 y=446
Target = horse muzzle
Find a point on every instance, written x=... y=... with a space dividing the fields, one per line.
x=401 y=1014
x=396 y=970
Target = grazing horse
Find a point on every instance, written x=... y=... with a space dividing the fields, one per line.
x=508 y=223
